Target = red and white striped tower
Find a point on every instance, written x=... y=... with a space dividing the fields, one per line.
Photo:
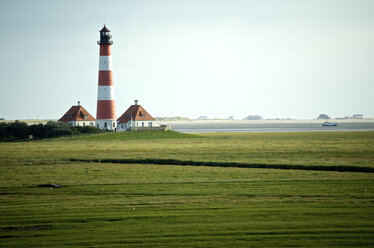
x=106 y=108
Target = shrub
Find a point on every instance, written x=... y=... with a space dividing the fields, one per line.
x=85 y=130
x=21 y=130
x=15 y=130
x=56 y=129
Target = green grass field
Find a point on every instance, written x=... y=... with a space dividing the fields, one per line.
x=309 y=148
x=144 y=205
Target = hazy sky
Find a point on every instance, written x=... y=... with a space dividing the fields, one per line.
x=290 y=58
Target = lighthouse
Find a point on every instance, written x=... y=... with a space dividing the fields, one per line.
x=106 y=108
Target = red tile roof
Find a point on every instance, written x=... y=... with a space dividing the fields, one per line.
x=76 y=113
x=135 y=113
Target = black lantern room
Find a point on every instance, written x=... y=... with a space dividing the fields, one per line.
x=105 y=37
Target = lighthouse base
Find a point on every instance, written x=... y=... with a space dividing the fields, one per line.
x=106 y=124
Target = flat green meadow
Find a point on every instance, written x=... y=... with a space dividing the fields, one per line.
x=154 y=205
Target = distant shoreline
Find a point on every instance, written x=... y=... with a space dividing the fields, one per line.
x=197 y=121
x=208 y=126
x=30 y=121
x=369 y=120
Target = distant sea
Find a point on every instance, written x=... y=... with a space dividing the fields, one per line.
x=267 y=126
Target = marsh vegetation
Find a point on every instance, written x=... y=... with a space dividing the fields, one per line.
x=150 y=205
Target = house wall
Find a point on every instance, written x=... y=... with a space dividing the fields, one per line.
x=137 y=124
x=82 y=123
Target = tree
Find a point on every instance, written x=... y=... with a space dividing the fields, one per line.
x=323 y=116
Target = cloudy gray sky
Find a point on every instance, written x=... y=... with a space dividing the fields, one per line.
x=281 y=58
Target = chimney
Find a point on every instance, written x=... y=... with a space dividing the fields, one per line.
x=79 y=103
x=136 y=102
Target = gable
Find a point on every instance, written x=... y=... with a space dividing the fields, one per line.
x=135 y=113
x=76 y=113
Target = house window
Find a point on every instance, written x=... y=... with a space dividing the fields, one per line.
x=142 y=124
x=114 y=124
x=77 y=123
x=84 y=124
x=150 y=124
x=122 y=126
x=91 y=124
x=85 y=117
x=97 y=125
x=105 y=125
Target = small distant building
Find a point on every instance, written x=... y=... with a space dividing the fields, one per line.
x=203 y=117
x=136 y=118
x=357 y=116
x=253 y=118
x=323 y=117
x=78 y=116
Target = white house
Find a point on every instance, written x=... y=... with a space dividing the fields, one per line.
x=136 y=118
x=78 y=116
